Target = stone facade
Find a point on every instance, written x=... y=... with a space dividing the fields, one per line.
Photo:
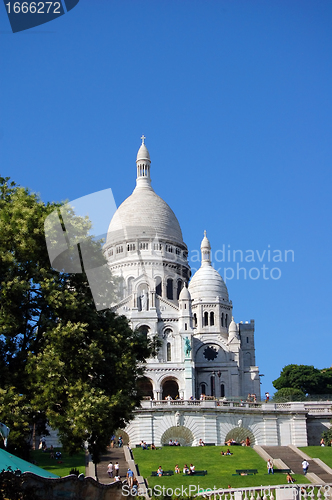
x=203 y=350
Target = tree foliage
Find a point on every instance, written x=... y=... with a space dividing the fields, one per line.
x=327 y=436
x=305 y=378
x=289 y=394
x=67 y=361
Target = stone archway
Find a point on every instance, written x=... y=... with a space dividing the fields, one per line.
x=240 y=434
x=182 y=434
x=123 y=434
x=170 y=387
x=145 y=388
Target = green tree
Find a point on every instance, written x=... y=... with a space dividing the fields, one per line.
x=84 y=378
x=288 y=394
x=308 y=379
x=327 y=436
x=68 y=361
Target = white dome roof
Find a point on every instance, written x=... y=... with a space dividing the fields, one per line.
x=207 y=284
x=233 y=328
x=144 y=214
x=184 y=294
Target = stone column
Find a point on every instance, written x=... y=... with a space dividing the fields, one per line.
x=153 y=299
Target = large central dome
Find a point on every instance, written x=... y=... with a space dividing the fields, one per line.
x=144 y=213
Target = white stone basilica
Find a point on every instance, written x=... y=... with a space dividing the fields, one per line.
x=203 y=350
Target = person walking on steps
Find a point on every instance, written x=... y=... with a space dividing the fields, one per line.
x=305 y=466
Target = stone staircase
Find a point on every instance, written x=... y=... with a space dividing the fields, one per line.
x=112 y=455
x=291 y=457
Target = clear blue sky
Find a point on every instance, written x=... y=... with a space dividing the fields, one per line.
x=234 y=98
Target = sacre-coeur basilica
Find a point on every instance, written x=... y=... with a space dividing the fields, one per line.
x=197 y=384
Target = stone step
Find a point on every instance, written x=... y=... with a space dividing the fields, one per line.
x=113 y=455
x=294 y=460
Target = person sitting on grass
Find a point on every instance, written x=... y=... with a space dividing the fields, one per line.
x=192 y=469
x=290 y=479
x=185 y=469
x=153 y=446
x=228 y=452
x=177 y=469
x=160 y=471
x=201 y=442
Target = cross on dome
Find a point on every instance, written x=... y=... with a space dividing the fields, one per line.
x=143 y=138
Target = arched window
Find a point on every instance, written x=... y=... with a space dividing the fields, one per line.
x=185 y=326
x=169 y=289
x=226 y=321
x=179 y=288
x=158 y=286
x=144 y=330
x=211 y=318
x=130 y=285
x=212 y=381
x=206 y=319
x=203 y=389
x=195 y=320
x=169 y=352
x=222 y=390
x=222 y=319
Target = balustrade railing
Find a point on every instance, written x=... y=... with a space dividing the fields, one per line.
x=312 y=407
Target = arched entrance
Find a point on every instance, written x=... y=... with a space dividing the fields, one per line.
x=182 y=434
x=124 y=435
x=240 y=434
x=144 y=387
x=170 y=388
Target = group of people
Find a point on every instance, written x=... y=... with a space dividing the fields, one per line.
x=173 y=443
x=186 y=470
x=226 y=453
x=232 y=442
x=114 y=469
x=113 y=441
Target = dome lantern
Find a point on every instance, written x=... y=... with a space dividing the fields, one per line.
x=205 y=250
x=143 y=163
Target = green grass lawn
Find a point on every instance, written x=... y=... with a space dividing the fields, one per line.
x=322 y=452
x=59 y=467
x=220 y=468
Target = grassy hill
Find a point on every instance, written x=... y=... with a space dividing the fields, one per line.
x=220 y=468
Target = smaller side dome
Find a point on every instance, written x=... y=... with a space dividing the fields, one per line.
x=184 y=294
x=233 y=330
x=207 y=284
